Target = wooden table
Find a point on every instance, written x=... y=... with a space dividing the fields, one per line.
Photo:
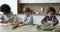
x=29 y=28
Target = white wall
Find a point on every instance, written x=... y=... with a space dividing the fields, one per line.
x=39 y=1
x=11 y=3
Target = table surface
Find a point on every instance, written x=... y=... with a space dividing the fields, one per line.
x=28 y=28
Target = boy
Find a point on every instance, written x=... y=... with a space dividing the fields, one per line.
x=50 y=19
x=7 y=14
x=28 y=20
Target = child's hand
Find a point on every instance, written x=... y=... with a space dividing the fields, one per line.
x=20 y=22
x=20 y=25
x=13 y=23
x=4 y=22
x=51 y=25
x=45 y=24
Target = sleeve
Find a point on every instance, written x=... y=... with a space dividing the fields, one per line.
x=55 y=21
x=15 y=18
x=44 y=20
x=31 y=19
x=2 y=18
x=19 y=19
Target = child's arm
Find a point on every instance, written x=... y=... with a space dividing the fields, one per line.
x=44 y=20
x=55 y=21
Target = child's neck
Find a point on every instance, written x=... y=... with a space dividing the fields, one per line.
x=6 y=14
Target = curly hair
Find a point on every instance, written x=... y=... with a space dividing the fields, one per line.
x=5 y=8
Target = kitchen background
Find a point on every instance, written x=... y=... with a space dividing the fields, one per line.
x=41 y=8
x=38 y=6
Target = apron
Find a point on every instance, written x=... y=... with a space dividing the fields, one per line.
x=50 y=22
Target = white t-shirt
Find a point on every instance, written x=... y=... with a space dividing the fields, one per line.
x=28 y=20
x=10 y=17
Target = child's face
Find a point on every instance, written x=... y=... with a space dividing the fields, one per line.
x=50 y=14
x=27 y=13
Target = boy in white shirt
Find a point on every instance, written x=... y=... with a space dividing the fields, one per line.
x=28 y=19
x=8 y=16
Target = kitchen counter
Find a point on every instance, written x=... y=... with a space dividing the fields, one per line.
x=29 y=28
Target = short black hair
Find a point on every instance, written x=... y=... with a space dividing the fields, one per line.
x=5 y=8
x=51 y=9
x=27 y=9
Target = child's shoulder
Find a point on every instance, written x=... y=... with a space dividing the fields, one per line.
x=54 y=16
x=46 y=16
